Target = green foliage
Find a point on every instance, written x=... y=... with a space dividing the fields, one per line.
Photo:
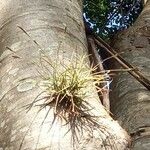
x=107 y=17
x=96 y=12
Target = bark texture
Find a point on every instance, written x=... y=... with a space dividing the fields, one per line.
x=130 y=101
x=58 y=28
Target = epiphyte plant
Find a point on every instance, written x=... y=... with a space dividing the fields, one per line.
x=64 y=91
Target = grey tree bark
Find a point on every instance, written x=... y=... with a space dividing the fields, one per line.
x=58 y=28
x=130 y=101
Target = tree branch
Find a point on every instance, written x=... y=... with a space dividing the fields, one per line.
x=134 y=72
x=96 y=60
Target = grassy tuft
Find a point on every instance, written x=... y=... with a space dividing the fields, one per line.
x=65 y=86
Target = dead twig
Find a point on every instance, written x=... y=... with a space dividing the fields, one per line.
x=96 y=60
x=134 y=72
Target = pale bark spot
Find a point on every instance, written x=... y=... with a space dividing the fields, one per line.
x=26 y=85
x=142 y=96
x=24 y=129
x=9 y=148
x=1 y=148
x=4 y=92
x=7 y=80
x=13 y=132
x=5 y=54
x=11 y=107
x=8 y=67
x=14 y=71
x=13 y=138
x=15 y=46
x=2 y=124
x=11 y=97
x=3 y=39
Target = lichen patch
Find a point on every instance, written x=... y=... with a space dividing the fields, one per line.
x=26 y=85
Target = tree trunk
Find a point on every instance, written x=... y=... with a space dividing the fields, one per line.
x=130 y=101
x=53 y=28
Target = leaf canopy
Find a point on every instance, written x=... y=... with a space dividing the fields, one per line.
x=106 y=17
